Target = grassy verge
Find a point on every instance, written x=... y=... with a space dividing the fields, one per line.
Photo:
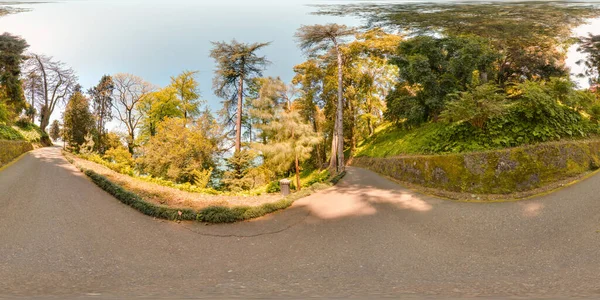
x=211 y=214
x=307 y=178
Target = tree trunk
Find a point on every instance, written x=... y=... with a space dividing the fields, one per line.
x=45 y=120
x=298 y=186
x=298 y=174
x=238 y=123
x=33 y=104
x=340 y=114
x=334 y=144
x=130 y=142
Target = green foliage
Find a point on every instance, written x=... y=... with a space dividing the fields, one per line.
x=23 y=130
x=9 y=133
x=156 y=107
x=188 y=92
x=78 y=121
x=12 y=50
x=476 y=106
x=102 y=103
x=431 y=69
x=201 y=178
x=176 y=150
x=120 y=160
x=238 y=166
x=55 y=130
x=136 y=202
x=213 y=214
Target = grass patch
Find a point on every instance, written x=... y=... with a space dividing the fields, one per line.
x=211 y=214
x=389 y=140
x=24 y=131
x=11 y=134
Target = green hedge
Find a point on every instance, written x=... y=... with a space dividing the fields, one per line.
x=10 y=150
x=493 y=172
x=213 y=214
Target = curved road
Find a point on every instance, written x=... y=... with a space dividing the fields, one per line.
x=63 y=237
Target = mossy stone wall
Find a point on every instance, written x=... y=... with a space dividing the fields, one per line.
x=493 y=172
x=9 y=150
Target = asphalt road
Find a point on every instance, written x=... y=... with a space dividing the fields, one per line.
x=63 y=237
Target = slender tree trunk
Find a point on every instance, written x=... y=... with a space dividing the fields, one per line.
x=238 y=123
x=130 y=144
x=32 y=103
x=340 y=114
x=334 y=144
x=298 y=174
x=298 y=185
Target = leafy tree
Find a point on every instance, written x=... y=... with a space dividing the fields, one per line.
x=590 y=46
x=237 y=64
x=188 y=92
x=78 y=121
x=11 y=59
x=102 y=103
x=309 y=77
x=317 y=38
x=157 y=106
x=432 y=68
x=272 y=95
x=291 y=142
x=130 y=90
x=113 y=141
x=55 y=130
x=177 y=151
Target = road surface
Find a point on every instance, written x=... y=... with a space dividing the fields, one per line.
x=63 y=237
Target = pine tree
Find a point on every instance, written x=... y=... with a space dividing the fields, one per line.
x=237 y=65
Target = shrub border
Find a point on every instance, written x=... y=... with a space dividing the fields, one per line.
x=211 y=214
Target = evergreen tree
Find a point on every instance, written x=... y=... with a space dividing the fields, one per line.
x=55 y=130
x=102 y=103
x=187 y=90
x=237 y=65
x=78 y=121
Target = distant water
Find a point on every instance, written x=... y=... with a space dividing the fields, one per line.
x=156 y=39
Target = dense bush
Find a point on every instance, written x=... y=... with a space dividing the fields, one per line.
x=177 y=151
x=481 y=119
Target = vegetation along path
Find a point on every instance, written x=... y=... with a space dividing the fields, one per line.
x=367 y=236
